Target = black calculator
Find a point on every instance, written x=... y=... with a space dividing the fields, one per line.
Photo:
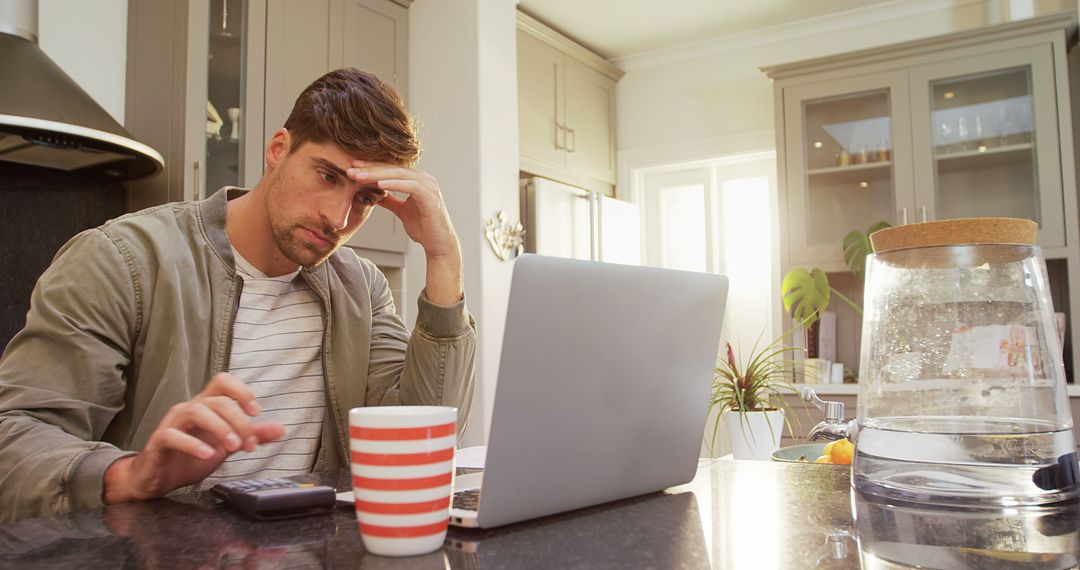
x=273 y=499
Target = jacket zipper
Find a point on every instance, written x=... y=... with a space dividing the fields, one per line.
x=238 y=286
x=330 y=399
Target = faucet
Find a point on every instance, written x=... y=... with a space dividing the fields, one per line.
x=834 y=427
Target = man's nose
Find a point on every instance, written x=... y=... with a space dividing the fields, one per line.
x=336 y=212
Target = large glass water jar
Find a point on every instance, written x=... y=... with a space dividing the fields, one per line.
x=962 y=397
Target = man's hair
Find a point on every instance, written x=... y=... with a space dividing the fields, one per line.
x=358 y=112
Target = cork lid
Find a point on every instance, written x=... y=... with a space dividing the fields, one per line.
x=965 y=231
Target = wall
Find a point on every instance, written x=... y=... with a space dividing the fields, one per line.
x=88 y=40
x=713 y=89
x=463 y=90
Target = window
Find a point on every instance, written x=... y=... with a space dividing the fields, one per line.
x=718 y=217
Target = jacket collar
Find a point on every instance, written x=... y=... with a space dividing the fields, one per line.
x=212 y=212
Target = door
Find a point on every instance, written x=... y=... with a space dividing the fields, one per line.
x=618 y=231
x=848 y=162
x=558 y=220
x=985 y=130
x=590 y=121
x=540 y=96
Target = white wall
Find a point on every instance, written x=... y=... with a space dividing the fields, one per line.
x=463 y=89
x=88 y=40
x=713 y=89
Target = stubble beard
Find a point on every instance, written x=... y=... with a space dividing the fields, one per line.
x=297 y=249
x=291 y=239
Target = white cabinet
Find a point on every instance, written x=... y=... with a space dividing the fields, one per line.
x=958 y=126
x=566 y=113
x=271 y=50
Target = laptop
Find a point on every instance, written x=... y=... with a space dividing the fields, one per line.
x=603 y=388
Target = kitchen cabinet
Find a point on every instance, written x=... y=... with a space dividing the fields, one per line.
x=950 y=127
x=978 y=123
x=260 y=54
x=194 y=93
x=566 y=109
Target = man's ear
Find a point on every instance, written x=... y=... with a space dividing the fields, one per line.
x=277 y=148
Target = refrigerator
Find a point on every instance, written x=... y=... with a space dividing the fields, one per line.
x=567 y=221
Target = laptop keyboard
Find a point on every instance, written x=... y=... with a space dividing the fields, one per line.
x=467 y=500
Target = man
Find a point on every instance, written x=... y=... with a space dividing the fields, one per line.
x=228 y=338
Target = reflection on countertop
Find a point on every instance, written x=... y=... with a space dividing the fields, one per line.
x=734 y=514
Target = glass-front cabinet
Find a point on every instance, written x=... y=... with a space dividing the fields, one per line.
x=854 y=166
x=975 y=124
x=987 y=140
x=926 y=136
x=225 y=95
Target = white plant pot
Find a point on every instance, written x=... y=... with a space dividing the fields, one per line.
x=757 y=435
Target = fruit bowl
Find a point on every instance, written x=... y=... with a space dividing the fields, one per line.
x=808 y=452
x=837 y=452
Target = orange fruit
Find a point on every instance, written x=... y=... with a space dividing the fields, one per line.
x=823 y=459
x=842 y=452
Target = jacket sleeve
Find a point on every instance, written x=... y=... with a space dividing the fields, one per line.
x=62 y=381
x=435 y=365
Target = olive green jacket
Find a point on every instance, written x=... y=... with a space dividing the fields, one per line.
x=136 y=315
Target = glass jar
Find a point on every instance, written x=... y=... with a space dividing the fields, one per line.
x=962 y=396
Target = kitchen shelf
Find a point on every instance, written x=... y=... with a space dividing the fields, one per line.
x=991 y=157
x=868 y=167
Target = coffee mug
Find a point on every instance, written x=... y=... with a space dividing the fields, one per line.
x=402 y=473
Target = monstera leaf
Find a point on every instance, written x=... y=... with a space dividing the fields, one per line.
x=806 y=294
x=857 y=246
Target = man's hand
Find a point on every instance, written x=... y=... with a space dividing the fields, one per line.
x=193 y=439
x=423 y=214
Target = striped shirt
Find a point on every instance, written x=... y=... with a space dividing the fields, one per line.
x=277 y=351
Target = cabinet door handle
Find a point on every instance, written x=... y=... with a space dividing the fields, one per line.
x=196 y=180
x=903 y=216
x=922 y=214
x=573 y=140
x=559 y=129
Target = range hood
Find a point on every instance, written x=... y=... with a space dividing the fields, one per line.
x=47 y=120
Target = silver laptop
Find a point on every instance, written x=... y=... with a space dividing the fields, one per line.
x=603 y=387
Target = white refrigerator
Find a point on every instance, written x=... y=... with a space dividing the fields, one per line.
x=567 y=221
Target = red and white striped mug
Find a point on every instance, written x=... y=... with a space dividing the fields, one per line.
x=402 y=473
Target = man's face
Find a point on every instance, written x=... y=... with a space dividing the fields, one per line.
x=312 y=205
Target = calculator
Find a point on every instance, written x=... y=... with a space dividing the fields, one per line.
x=273 y=499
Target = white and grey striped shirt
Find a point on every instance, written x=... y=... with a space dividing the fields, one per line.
x=276 y=350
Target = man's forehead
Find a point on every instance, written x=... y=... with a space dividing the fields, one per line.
x=330 y=153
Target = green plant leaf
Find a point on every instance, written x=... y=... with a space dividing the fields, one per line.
x=806 y=294
x=856 y=248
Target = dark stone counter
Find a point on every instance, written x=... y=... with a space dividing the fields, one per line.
x=735 y=514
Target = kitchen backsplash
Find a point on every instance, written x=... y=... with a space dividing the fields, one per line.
x=40 y=209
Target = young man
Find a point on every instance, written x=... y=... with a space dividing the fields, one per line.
x=228 y=338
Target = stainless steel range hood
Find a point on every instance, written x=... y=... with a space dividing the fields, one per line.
x=46 y=119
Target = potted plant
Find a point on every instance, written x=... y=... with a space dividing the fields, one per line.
x=749 y=396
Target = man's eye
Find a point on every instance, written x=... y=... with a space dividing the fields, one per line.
x=368 y=198
x=327 y=177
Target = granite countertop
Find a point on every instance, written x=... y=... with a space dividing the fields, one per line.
x=734 y=514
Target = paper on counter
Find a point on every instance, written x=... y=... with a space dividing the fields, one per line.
x=471 y=457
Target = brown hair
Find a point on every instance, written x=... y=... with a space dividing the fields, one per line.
x=358 y=112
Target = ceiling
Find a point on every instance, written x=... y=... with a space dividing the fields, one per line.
x=617 y=28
